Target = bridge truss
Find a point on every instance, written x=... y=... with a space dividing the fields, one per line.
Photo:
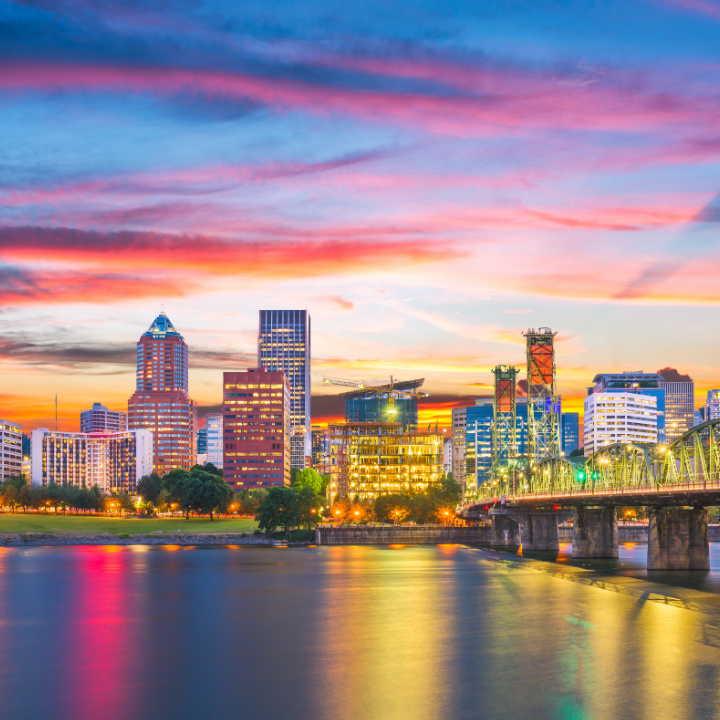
x=690 y=463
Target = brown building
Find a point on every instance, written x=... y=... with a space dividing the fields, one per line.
x=368 y=459
x=256 y=420
x=161 y=402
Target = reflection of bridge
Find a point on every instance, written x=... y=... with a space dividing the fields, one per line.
x=676 y=482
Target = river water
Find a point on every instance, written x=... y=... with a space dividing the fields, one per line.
x=99 y=633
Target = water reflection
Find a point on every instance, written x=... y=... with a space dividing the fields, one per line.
x=356 y=632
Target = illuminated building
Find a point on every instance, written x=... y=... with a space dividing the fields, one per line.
x=679 y=403
x=712 y=406
x=382 y=407
x=100 y=419
x=112 y=461
x=161 y=402
x=10 y=450
x=256 y=429
x=570 y=432
x=447 y=455
x=214 y=427
x=459 y=417
x=638 y=383
x=202 y=441
x=284 y=345
x=371 y=459
x=619 y=417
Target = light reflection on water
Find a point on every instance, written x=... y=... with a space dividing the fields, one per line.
x=353 y=632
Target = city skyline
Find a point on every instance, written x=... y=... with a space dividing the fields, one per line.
x=427 y=190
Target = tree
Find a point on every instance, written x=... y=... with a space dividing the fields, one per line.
x=206 y=493
x=423 y=508
x=278 y=509
x=392 y=508
x=149 y=488
x=294 y=472
x=578 y=452
x=446 y=490
x=210 y=468
x=308 y=507
x=309 y=478
x=174 y=485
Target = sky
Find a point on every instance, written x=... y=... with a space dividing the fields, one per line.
x=428 y=179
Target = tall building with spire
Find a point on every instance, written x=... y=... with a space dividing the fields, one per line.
x=161 y=402
x=284 y=345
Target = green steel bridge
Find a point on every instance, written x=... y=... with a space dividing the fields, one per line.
x=685 y=472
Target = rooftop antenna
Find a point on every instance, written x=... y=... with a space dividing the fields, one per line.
x=55 y=412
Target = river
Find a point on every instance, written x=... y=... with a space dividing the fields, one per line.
x=105 y=633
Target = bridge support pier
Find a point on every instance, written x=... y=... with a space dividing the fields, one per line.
x=504 y=532
x=540 y=532
x=595 y=533
x=678 y=539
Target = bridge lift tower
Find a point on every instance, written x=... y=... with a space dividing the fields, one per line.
x=543 y=404
x=504 y=429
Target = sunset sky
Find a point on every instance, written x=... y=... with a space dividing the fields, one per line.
x=428 y=179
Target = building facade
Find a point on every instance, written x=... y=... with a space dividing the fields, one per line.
x=215 y=441
x=382 y=407
x=447 y=455
x=619 y=417
x=284 y=346
x=11 y=456
x=569 y=432
x=202 y=441
x=459 y=422
x=256 y=429
x=639 y=383
x=161 y=403
x=321 y=449
x=112 y=461
x=679 y=404
x=712 y=406
x=372 y=459
x=100 y=419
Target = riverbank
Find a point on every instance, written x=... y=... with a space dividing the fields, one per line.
x=184 y=539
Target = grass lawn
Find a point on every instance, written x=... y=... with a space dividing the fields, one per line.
x=50 y=523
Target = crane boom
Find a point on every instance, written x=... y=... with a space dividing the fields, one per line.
x=344 y=383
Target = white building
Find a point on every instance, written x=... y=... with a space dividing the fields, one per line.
x=447 y=455
x=214 y=425
x=619 y=418
x=712 y=405
x=10 y=450
x=100 y=419
x=112 y=461
x=459 y=421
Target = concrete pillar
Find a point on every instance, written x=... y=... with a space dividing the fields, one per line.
x=678 y=539
x=504 y=532
x=540 y=532
x=595 y=533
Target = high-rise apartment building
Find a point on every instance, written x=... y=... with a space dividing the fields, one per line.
x=679 y=403
x=712 y=406
x=100 y=419
x=447 y=455
x=214 y=427
x=202 y=441
x=112 y=461
x=570 y=432
x=161 y=402
x=10 y=450
x=459 y=421
x=256 y=429
x=284 y=345
x=638 y=383
x=320 y=449
x=619 y=417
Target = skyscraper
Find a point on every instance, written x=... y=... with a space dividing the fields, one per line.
x=100 y=419
x=214 y=447
x=284 y=345
x=570 y=432
x=256 y=429
x=679 y=402
x=10 y=450
x=161 y=402
x=712 y=406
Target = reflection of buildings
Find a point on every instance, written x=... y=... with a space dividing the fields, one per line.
x=112 y=461
x=284 y=345
x=100 y=419
x=679 y=403
x=214 y=429
x=10 y=450
x=569 y=432
x=256 y=429
x=161 y=402
x=371 y=459
x=320 y=450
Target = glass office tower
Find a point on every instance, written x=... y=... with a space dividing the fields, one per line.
x=284 y=345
